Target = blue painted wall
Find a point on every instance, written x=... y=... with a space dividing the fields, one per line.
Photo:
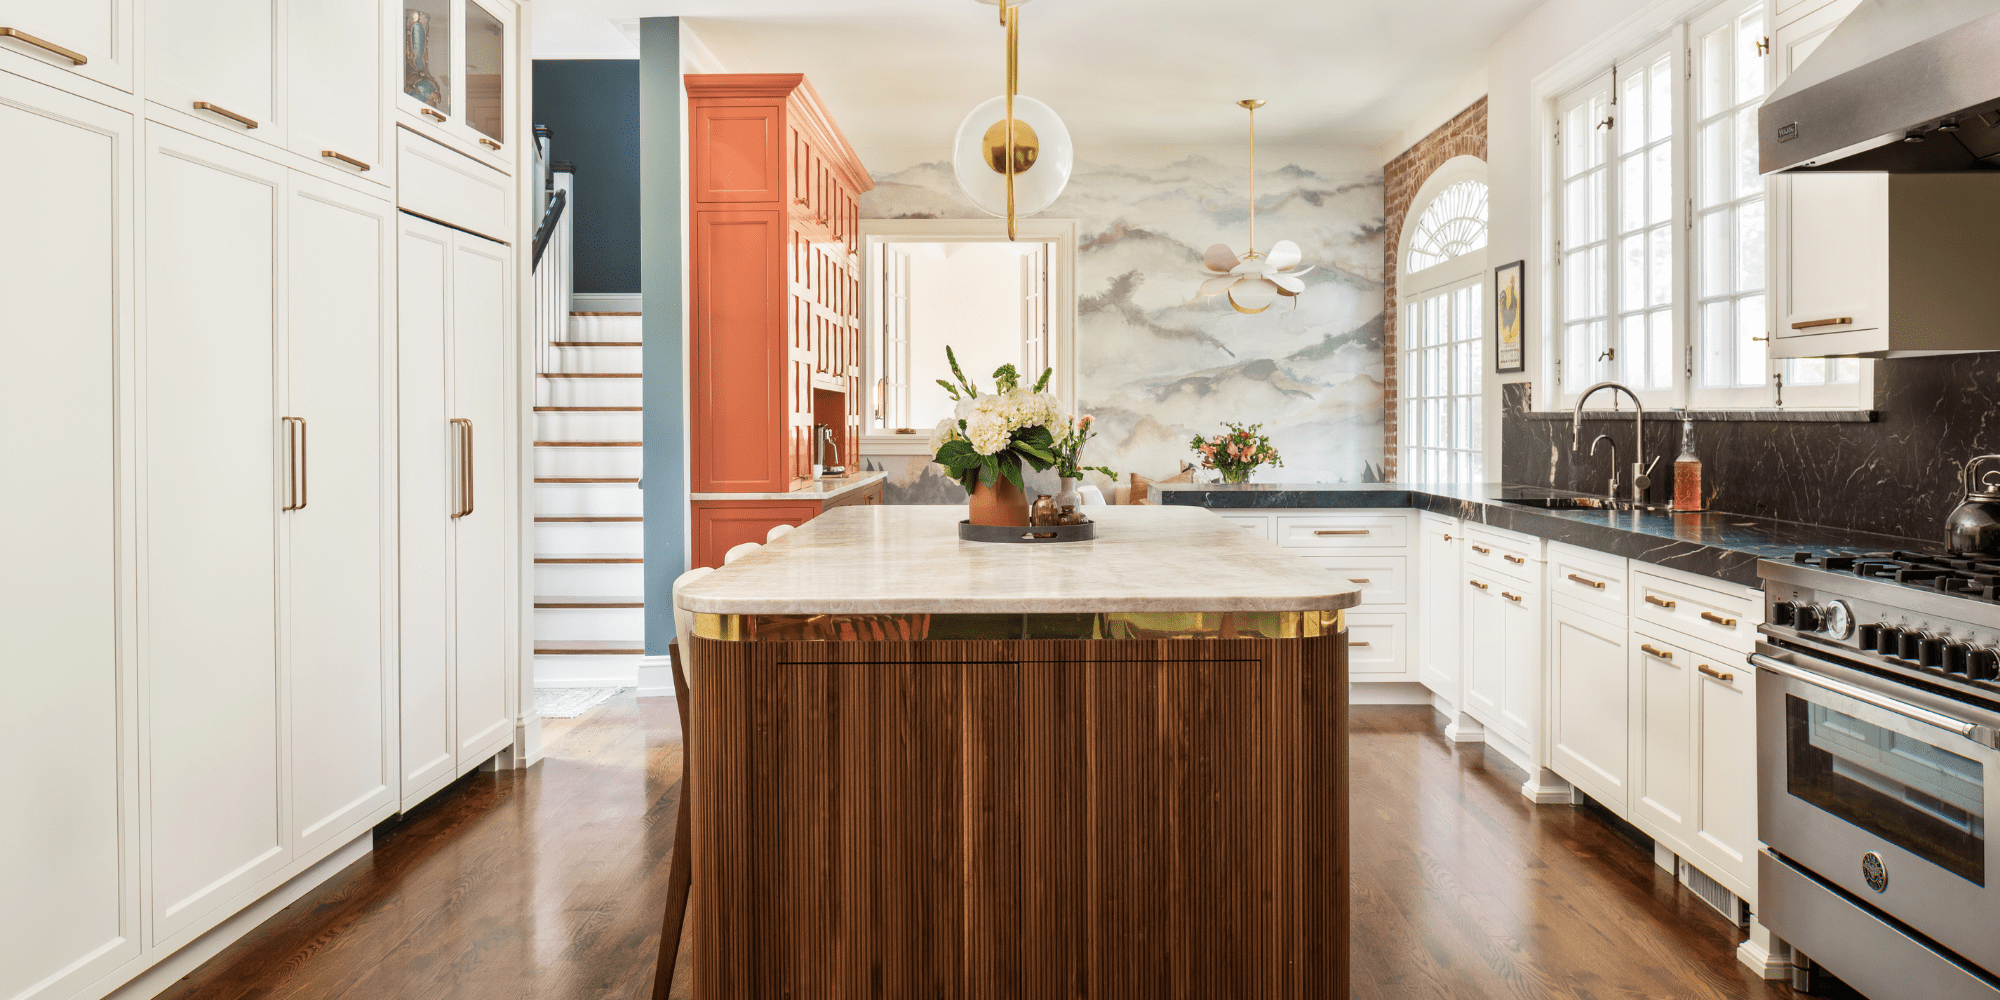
x=591 y=107
x=660 y=227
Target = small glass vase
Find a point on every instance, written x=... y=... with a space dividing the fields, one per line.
x=1066 y=495
x=1236 y=477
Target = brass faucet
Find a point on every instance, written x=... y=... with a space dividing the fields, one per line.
x=1641 y=469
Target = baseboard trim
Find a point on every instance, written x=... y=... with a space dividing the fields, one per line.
x=1767 y=956
x=1465 y=729
x=1387 y=693
x=174 y=967
x=656 y=677
x=586 y=671
x=1547 y=788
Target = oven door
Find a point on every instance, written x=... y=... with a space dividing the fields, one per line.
x=1882 y=790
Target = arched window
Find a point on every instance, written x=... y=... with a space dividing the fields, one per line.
x=1453 y=224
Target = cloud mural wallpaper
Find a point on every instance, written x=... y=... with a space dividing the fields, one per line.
x=1157 y=362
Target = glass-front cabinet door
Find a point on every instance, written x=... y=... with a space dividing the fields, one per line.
x=457 y=75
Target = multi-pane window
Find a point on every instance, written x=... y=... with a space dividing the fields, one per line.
x=1645 y=285
x=1452 y=225
x=1586 y=240
x=1446 y=331
x=1729 y=201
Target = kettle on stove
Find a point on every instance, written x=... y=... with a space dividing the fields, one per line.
x=1974 y=525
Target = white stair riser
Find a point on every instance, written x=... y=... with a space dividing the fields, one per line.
x=590 y=392
x=587 y=671
x=614 y=328
x=561 y=539
x=588 y=500
x=589 y=426
x=599 y=359
x=595 y=623
x=588 y=463
x=589 y=579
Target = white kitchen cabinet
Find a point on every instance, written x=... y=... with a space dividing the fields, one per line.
x=1439 y=591
x=69 y=848
x=99 y=31
x=1589 y=738
x=1663 y=738
x=457 y=80
x=1722 y=828
x=1503 y=653
x=216 y=60
x=455 y=569
x=1376 y=644
x=334 y=81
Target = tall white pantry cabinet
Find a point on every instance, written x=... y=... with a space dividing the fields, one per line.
x=232 y=440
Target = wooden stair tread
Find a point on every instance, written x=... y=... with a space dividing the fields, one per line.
x=590 y=375
x=575 y=479
x=590 y=602
x=574 y=313
x=621 y=343
x=591 y=520
x=589 y=409
x=599 y=558
x=600 y=444
x=590 y=647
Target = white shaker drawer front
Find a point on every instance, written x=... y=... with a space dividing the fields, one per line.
x=1382 y=579
x=446 y=186
x=1372 y=530
x=1374 y=643
x=1256 y=524
x=1592 y=579
x=1507 y=555
x=1726 y=619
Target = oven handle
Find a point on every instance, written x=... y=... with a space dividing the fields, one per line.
x=1982 y=735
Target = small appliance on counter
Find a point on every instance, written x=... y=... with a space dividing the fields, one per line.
x=1974 y=526
x=826 y=454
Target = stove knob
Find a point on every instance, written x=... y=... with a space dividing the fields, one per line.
x=1784 y=613
x=1867 y=636
x=1983 y=664
x=1957 y=658
x=1891 y=641
x=1807 y=618
x=1930 y=652
x=1911 y=645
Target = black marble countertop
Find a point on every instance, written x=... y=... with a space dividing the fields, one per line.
x=1713 y=544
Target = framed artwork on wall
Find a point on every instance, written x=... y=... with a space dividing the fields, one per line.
x=1509 y=310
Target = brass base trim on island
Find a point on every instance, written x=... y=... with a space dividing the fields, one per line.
x=1094 y=626
x=1116 y=818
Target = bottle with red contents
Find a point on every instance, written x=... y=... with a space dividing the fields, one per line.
x=1687 y=471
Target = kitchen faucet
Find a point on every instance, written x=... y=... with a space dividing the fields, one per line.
x=1641 y=469
x=1611 y=487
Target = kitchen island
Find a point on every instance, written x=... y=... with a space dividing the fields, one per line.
x=921 y=767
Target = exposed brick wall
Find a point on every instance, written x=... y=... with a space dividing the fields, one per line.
x=1464 y=135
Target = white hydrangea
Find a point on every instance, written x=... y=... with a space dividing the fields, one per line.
x=987 y=431
x=945 y=431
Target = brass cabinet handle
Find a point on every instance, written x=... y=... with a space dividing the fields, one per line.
x=488 y=143
x=1599 y=584
x=1718 y=619
x=1351 y=644
x=291 y=463
x=464 y=505
x=808 y=201
x=76 y=58
x=334 y=154
x=245 y=121
x=305 y=466
x=1650 y=651
x=1516 y=560
x=1516 y=598
x=1650 y=599
x=433 y=112
x=1342 y=531
x=1447 y=537
x=1349 y=579
x=1836 y=321
x=1482 y=550
x=1717 y=674
x=1476 y=583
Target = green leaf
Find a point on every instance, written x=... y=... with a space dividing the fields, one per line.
x=1012 y=470
x=1043 y=382
x=970 y=389
x=989 y=470
x=948 y=387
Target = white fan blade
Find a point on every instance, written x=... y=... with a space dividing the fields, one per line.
x=1216 y=286
x=1219 y=258
x=1285 y=255
x=1253 y=295
x=1287 y=284
x=1298 y=271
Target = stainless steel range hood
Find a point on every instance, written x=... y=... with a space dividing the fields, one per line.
x=1905 y=86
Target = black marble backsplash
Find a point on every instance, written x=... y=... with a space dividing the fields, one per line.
x=1896 y=475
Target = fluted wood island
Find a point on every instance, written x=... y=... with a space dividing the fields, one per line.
x=921 y=768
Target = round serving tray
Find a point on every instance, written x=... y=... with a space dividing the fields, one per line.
x=967 y=531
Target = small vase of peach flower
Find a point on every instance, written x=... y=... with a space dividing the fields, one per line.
x=1237 y=451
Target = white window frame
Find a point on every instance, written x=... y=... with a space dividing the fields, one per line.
x=1675 y=26
x=1060 y=235
x=1412 y=289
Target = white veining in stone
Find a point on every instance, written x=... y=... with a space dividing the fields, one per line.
x=824 y=489
x=909 y=560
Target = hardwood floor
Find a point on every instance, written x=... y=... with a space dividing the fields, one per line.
x=549 y=885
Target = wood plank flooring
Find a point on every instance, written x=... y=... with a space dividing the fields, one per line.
x=549 y=885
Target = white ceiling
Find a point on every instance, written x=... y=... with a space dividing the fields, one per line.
x=899 y=73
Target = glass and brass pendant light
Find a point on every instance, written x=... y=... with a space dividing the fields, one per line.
x=1012 y=154
x=1253 y=280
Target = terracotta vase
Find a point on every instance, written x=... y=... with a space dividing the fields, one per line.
x=1000 y=504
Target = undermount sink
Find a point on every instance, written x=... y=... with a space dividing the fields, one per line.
x=1583 y=503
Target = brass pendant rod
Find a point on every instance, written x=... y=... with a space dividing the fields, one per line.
x=1011 y=17
x=1253 y=182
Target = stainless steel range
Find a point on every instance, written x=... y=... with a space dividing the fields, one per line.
x=1878 y=704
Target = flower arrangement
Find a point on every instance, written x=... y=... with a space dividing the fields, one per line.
x=1237 y=452
x=1077 y=432
x=991 y=434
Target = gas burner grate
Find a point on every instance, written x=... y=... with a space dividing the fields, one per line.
x=1950 y=573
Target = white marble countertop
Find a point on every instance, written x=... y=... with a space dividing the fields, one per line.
x=824 y=489
x=909 y=560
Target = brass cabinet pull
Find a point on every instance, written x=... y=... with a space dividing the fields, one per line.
x=333 y=154
x=245 y=121
x=433 y=112
x=291 y=464
x=464 y=505
x=1482 y=550
x=1350 y=643
x=808 y=201
x=1447 y=537
x=1516 y=598
x=305 y=466
x=1599 y=584
x=1344 y=531
x=1650 y=599
x=1717 y=674
x=1476 y=583
x=1836 y=321
x=488 y=143
x=1349 y=579
x=1718 y=619
x=1516 y=560
x=76 y=58
x=1650 y=651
